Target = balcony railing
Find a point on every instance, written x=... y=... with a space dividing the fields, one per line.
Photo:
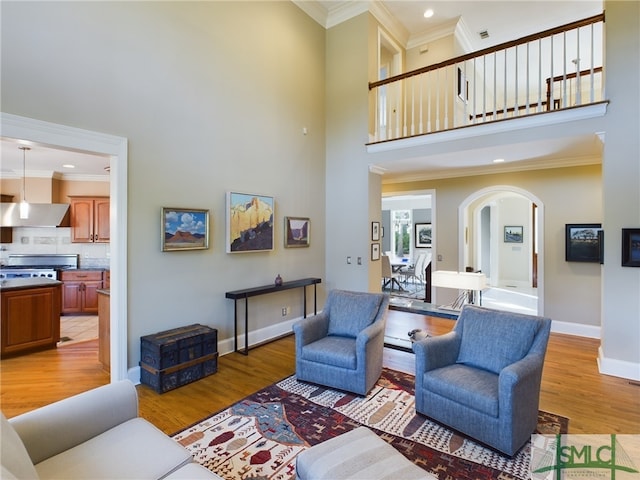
x=556 y=69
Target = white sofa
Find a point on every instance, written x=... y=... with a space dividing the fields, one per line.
x=93 y=435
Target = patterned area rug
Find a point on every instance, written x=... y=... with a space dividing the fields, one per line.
x=260 y=436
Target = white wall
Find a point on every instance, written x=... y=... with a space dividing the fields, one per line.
x=620 y=350
x=514 y=258
x=212 y=96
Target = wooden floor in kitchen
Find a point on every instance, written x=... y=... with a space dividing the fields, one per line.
x=77 y=328
x=571 y=384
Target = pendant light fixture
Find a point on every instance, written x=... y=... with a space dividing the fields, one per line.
x=24 y=206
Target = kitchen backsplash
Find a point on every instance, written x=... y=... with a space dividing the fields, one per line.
x=45 y=240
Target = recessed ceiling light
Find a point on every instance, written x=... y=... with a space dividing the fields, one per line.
x=428 y=13
x=68 y=165
x=498 y=160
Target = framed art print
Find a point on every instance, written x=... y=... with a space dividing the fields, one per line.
x=249 y=222
x=184 y=229
x=375 y=251
x=296 y=232
x=375 y=231
x=513 y=234
x=423 y=235
x=631 y=247
x=582 y=242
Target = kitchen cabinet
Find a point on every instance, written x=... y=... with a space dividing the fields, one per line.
x=104 y=327
x=80 y=291
x=6 y=233
x=90 y=219
x=30 y=315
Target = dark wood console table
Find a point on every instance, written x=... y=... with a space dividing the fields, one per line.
x=255 y=291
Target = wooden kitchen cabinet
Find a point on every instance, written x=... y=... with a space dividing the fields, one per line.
x=80 y=291
x=104 y=328
x=6 y=233
x=30 y=319
x=90 y=219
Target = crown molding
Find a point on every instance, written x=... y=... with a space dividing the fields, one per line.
x=314 y=10
x=345 y=10
x=464 y=36
x=389 y=22
x=433 y=34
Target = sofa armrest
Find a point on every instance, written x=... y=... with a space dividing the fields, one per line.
x=62 y=425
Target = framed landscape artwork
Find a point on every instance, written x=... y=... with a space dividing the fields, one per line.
x=184 y=229
x=296 y=232
x=423 y=235
x=513 y=234
x=249 y=223
x=582 y=242
x=631 y=247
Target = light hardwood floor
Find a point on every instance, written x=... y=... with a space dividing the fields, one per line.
x=571 y=384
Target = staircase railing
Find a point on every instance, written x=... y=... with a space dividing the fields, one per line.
x=556 y=69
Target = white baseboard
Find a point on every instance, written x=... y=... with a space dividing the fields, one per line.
x=578 y=329
x=227 y=345
x=618 y=368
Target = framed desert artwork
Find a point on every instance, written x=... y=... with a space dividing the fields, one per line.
x=184 y=229
x=249 y=222
x=296 y=232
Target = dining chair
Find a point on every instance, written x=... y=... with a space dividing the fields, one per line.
x=389 y=277
x=417 y=271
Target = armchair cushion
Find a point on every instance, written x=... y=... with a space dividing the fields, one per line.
x=336 y=351
x=494 y=340
x=477 y=389
x=351 y=312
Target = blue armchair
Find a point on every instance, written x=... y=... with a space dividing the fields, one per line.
x=341 y=347
x=483 y=378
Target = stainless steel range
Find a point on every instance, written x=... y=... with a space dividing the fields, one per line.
x=27 y=266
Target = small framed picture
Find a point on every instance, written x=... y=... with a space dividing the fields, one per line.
x=375 y=231
x=296 y=232
x=423 y=235
x=631 y=247
x=582 y=242
x=375 y=251
x=513 y=234
x=184 y=229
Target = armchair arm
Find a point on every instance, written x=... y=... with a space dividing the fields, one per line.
x=370 y=333
x=436 y=352
x=310 y=329
x=519 y=384
x=57 y=427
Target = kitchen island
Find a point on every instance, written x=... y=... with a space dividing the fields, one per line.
x=30 y=315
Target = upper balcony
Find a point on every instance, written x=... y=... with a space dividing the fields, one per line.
x=545 y=75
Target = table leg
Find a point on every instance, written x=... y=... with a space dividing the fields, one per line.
x=235 y=325
x=304 y=301
x=315 y=298
x=246 y=326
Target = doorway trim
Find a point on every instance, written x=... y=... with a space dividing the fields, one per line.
x=71 y=138
x=463 y=225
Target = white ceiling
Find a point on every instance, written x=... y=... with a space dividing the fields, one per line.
x=46 y=162
x=504 y=20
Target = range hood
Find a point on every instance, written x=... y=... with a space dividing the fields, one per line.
x=40 y=215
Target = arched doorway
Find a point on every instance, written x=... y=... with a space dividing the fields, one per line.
x=501 y=228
